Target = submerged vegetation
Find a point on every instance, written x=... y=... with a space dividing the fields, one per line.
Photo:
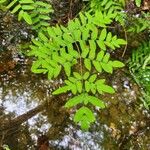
x=81 y=50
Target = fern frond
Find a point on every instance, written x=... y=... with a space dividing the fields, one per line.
x=85 y=117
x=84 y=40
x=139 y=68
x=139 y=24
x=113 y=7
x=35 y=13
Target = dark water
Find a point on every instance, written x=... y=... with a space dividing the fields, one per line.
x=123 y=125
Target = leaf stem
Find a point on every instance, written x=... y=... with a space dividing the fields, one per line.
x=125 y=48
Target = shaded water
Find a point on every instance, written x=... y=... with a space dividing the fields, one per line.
x=123 y=125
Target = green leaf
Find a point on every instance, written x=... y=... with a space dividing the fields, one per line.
x=74 y=89
x=68 y=38
x=27 y=7
x=85 y=33
x=77 y=75
x=78 y=115
x=107 y=6
x=106 y=58
x=92 y=49
x=83 y=19
x=37 y=67
x=16 y=8
x=108 y=68
x=103 y=34
x=94 y=33
x=85 y=125
x=26 y=1
x=39 y=3
x=42 y=37
x=64 y=29
x=5 y=147
x=121 y=42
x=93 y=88
x=100 y=81
x=84 y=48
x=51 y=32
x=57 y=30
x=79 y=86
x=57 y=70
x=44 y=10
x=100 y=55
x=77 y=35
x=20 y=15
x=72 y=79
x=138 y=3
x=95 y=101
x=117 y=64
x=53 y=63
x=74 y=101
x=101 y=44
x=86 y=75
x=109 y=37
x=11 y=4
x=77 y=23
x=44 y=17
x=97 y=66
x=84 y=111
x=89 y=114
x=67 y=68
x=71 y=25
x=67 y=82
x=104 y=2
x=110 y=44
x=61 y=90
x=92 y=78
x=106 y=88
x=27 y=18
x=2 y=1
x=87 y=86
x=37 y=43
x=87 y=63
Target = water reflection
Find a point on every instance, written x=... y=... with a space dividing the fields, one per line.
x=117 y=128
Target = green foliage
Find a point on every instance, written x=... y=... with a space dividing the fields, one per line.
x=84 y=98
x=139 y=66
x=61 y=47
x=6 y=147
x=107 y=5
x=2 y=1
x=85 y=117
x=35 y=13
x=139 y=23
x=138 y=3
x=114 y=7
x=80 y=50
x=84 y=41
x=79 y=84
